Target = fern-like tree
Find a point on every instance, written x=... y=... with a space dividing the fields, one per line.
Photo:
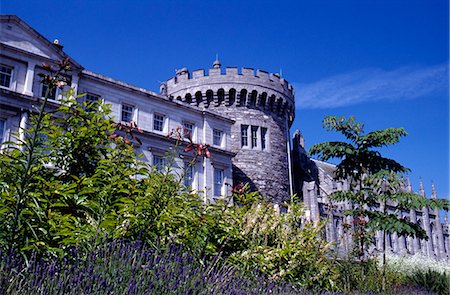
x=375 y=181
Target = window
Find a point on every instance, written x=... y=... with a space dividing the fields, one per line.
x=158 y=122
x=188 y=174
x=51 y=94
x=2 y=129
x=5 y=76
x=92 y=101
x=188 y=130
x=244 y=135
x=127 y=113
x=254 y=136
x=263 y=138
x=217 y=137
x=159 y=163
x=218 y=182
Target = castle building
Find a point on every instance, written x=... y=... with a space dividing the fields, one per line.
x=242 y=114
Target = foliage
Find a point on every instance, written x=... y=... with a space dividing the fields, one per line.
x=432 y=280
x=374 y=182
x=63 y=185
x=350 y=277
x=23 y=177
x=284 y=248
x=120 y=267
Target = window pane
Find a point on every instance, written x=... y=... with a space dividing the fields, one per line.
x=92 y=101
x=127 y=113
x=158 y=122
x=263 y=138
x=244 y=135
x=51 y=95
x=188 y=130
x=254 y=136
x=218 y=182
x=159 y=163
x=5 y=76
x=2 y=130
x=188 y=174
x=217 y=137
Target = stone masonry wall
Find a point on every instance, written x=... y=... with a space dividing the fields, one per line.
x=249 y=98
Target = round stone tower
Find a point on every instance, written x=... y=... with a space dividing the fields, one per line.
x=262 y=106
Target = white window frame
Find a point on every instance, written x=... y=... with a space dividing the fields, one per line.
x=11 y=76
x=192 y=131
x=133 y=112
x=221 y=136
x=44 y=91
x=163 y=122
x=98 y=99
x=244 y=127
x=264 y=131
x=254 y=130
x=189 y=174
x=160 y=167
x=218 y=185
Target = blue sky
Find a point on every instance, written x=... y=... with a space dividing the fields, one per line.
x=385 y=62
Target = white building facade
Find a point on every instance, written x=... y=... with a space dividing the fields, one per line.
x=22 y=53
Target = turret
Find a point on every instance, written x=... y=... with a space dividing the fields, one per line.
x=263 y=108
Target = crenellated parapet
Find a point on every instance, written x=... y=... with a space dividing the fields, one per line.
x=243 y=87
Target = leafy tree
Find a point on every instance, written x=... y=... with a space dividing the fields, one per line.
x=375 y=181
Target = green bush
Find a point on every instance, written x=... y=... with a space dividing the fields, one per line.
x=283 y=247
x=431 y=280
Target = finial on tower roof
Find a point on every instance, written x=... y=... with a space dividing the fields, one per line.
x=217 y=63
x=421 y=189
x=433 y=191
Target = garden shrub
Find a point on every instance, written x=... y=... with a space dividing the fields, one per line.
x=283 y=247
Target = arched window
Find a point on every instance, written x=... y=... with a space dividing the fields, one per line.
x=188 y=98
x=271 y=102
x=198 y=98
x=279 y=105
x=263 y=100
x=253 y=97
x=231 y=96
x=220 y=96
x=209 y=97
x=243 y=97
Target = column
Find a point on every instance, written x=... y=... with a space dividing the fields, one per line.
x=428 y=251
x=23 y=126
x=74 y=83
x=28 y=87
x=440 y=247
x=415 y=247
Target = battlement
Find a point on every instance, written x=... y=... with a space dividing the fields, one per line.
x=242 y=74
x=232 y=86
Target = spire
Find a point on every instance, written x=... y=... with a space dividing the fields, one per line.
x=433 y=191
x=408 y=184
x=421 y=190
x=217 y=63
